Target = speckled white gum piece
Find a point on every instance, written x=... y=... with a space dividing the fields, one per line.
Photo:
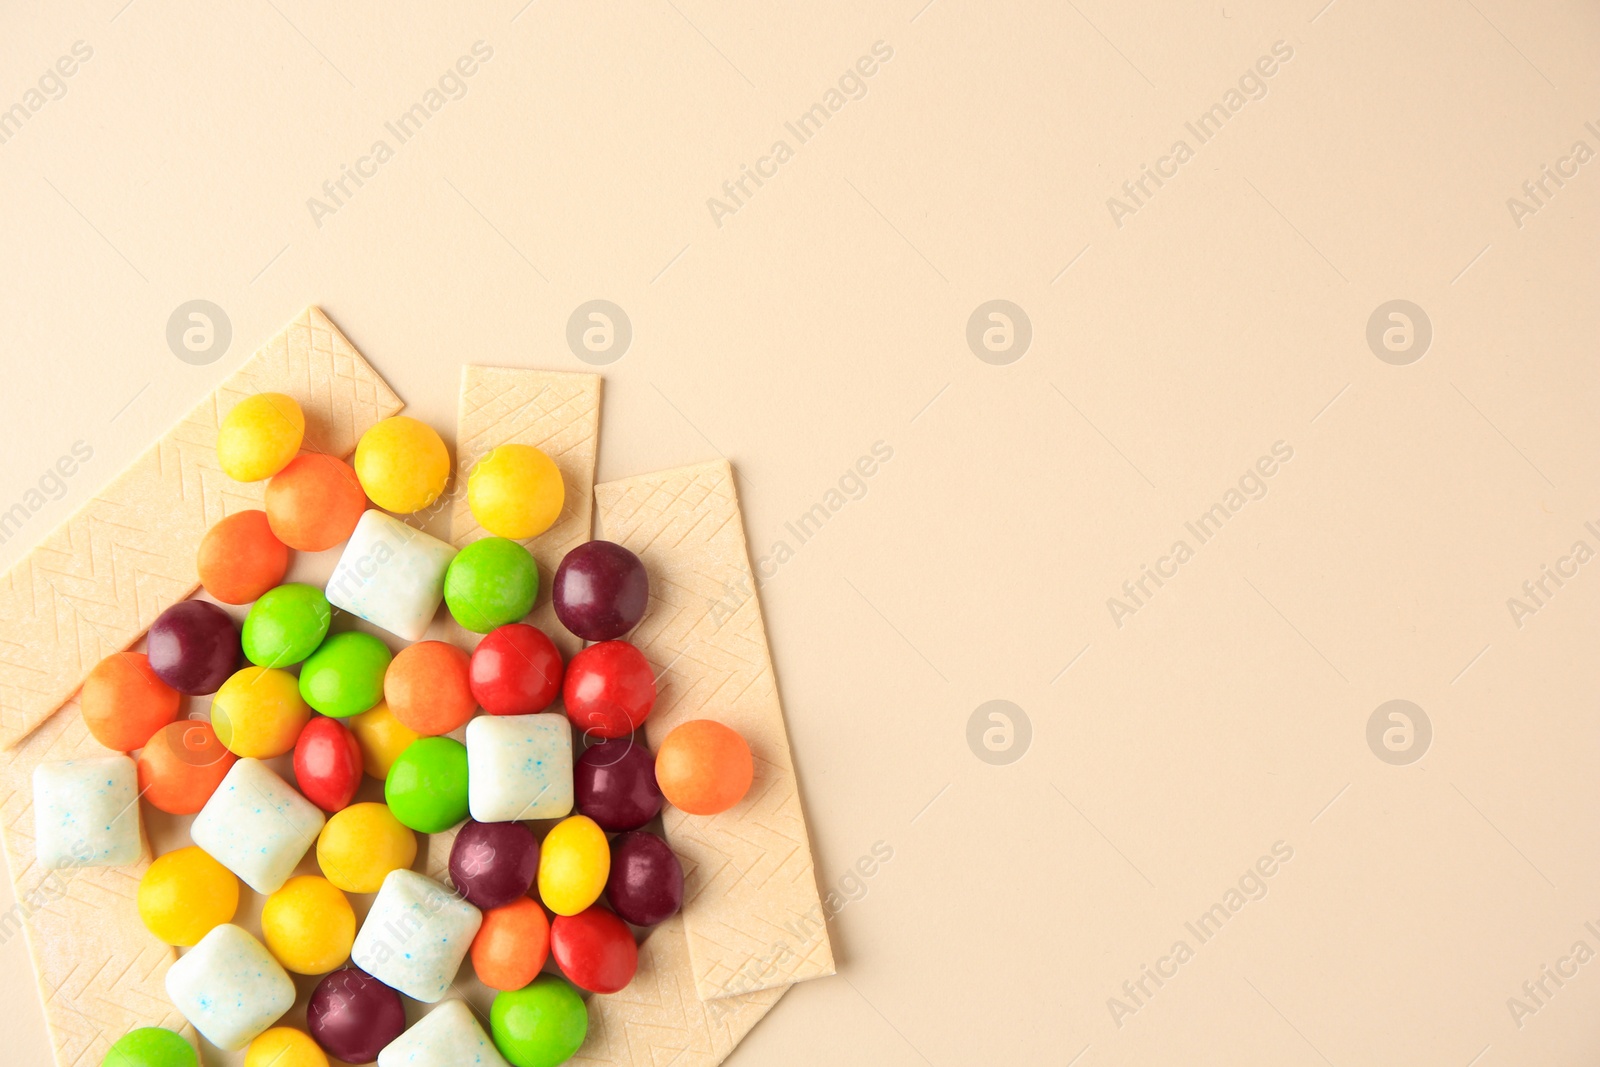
x=416 y=936
x=86 y=813
x=391 y=575
x=230 y=987
x=448 y=1036
x=519 y=767
x=257 y=826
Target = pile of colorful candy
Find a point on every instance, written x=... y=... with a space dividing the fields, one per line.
x=343 y=705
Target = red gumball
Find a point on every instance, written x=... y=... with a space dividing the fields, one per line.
x=515 y=670
x=327 y=763
x=609 y=690
x=594 y=949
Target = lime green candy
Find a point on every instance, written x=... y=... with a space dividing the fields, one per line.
x=285 y=626
x=490 y=583
x=541 y=1024
x=344 y=677
x=151 y=1046
x=427 y=785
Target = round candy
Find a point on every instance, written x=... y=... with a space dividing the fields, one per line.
x=286 y=625
x=308 y=925
x=124 y=703
x=427 y=786
x=284 y=1046
x=427 y=689
x=490 y=583
x=403 y=464
x=314 y=503
x=614 y=783
x=540 y=1025
x=151 y=1046
x=360 y=845
x=344 y=676
x=260 y=436
x=193 y=647
x=184 y=894
x=574 y=862
x=516 y=670
x=511 y=945
x=382 y=736
x=327 y=764
x=703 y=767
x=646 y=883
x=240 y=558
x=594 y=949
x=259 y=713
x=493 y=863
x=182 y=765
x=352 y=1015
x=609 y=689
x=600 y=591
x=516 y=491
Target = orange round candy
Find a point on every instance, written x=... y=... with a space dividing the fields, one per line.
x=241 y=558
x=124 y=702
x=426 y=688
x=315 y=502
x=703 y=767
x=182 y=766
x=511 y=945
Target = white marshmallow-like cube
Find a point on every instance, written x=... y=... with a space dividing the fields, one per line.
x=229 y=987
x=257 y=826
x=86 y=813
x=448 y=1036
x=391 y=574
x=415 y=936
x=519 y=767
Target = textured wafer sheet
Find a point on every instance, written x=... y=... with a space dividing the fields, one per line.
x=96 y=583
x=752 y=913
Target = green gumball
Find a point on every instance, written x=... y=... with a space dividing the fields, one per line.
x=344 y=676
x=427 y=785
x=490 y=583
x=540 y=1025
x=285 y=626
x=151 y=1046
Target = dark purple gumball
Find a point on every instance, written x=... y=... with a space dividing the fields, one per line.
x=600 y=591
x=493 y=863
x=646 y=883
x=614 y=783
x=193 y=647
x=352 y=1015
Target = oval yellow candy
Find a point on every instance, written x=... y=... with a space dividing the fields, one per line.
x=260 y=436
x=516 y=491
x=184 y=894
x=360 y=845
x=402 y=464
x=308 y=925
x=284 y=1046
x=574 y=863
x=259 y=712
x=382 y=737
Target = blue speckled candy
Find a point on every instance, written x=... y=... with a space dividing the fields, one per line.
x=519 y=767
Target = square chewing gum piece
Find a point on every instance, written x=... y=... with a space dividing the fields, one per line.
x=415 y=936
x=448 y=1036
x=391 y=575
x=86 y=813
x=519 y=767
x=257 y=826
x=230 y=988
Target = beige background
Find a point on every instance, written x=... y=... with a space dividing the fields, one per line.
x=829 y=313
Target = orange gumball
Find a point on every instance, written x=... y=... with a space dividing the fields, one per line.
x=703 y=767
x=182 y=766
x=511 y=945
x=241 y=558
x=315 y=502
x=426 y=688
x=124 y=702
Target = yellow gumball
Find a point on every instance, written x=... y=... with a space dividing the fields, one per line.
x=260 y=436
x=516 y=491
x=360 y=845
x=308 y=925
x=402 y=464
x=284 y=1046
x=574 y=863
x=259 y=712
x=186 y=893
x=382 y=738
